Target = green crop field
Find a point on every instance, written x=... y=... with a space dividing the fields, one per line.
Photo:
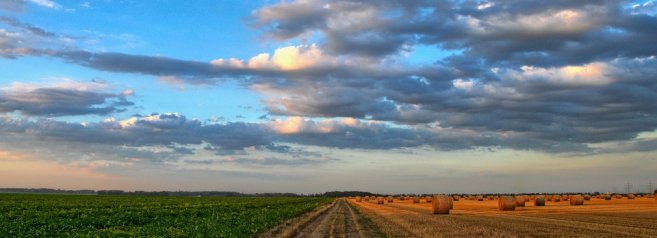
x=28 y=215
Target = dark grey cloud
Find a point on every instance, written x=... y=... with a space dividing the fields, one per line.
x=151 y=130
x=12 y=5
x=291 y=157
x=546 y=33
x=60 y=101
x=292 y=18
x=545 y=104
x=150 y=65
x=32 y=29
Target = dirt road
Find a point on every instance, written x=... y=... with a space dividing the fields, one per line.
x=338 y=220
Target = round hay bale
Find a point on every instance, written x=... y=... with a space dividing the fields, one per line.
x=520 y=201
x=441 y=204
x=526 y=198
x=556 y=198
x=480 y=198
x=390 y=199
x=587 y=197
x=416 y=199
x=548 y=198
x=359 y=199
x=539 y=201
x=576 y=200
x=428 y=199
x=379 y=200
x=608 y=197
x=506 y=203
x=631 y=196
x=451 y=202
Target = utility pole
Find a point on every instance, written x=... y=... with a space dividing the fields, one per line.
x=651 y=187
x=628 y=188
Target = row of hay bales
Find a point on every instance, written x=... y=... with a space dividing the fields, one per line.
x=391 y=199
x=442 y=204
x=509 y=203
x=550 y=198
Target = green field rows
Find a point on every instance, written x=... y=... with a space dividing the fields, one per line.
x=24 y=215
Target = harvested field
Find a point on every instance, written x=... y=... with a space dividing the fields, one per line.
x=596 y=218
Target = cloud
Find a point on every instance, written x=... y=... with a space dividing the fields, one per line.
x=285 y=58
x=12 y=5
x=553 y=33
x=538 y=75
x=293 y=18
x=259 y=157
x=345 y=24
x=32 y=29
x=151 y=130
x=61 y=99
x=46 y=4
x=590 y=74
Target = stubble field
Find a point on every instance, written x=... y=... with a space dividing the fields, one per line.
x=471 y=218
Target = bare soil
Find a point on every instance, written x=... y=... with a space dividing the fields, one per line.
x=337 y=220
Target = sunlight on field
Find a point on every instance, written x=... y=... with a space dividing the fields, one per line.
x=597 y=217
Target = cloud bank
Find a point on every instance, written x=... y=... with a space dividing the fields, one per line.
x=557 y=76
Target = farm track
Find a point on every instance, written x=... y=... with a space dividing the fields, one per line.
x=338 y=220
x=471 y=218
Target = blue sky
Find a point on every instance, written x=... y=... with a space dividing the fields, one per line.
x=316 y=95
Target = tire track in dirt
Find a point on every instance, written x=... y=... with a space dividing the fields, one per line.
x=338 y=221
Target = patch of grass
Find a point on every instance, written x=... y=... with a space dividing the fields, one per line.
x=366 y=221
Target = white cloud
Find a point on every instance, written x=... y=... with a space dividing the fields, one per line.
x=47 y=4
x=592 y=74
x=60 y=83
x=285 y=58
x=483 y=6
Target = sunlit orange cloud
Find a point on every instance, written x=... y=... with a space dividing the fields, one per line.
x=7 y=155
x=295 y=124
x=21 y=170
x=592 y=74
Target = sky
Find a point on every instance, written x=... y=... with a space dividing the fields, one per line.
x=309 y=96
